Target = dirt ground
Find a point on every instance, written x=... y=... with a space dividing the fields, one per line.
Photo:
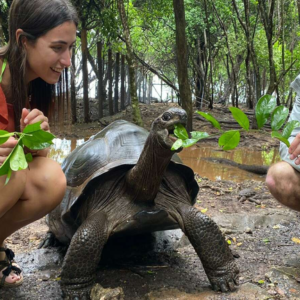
x=263 y=235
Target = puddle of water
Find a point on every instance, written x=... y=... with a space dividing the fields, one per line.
x=192 y=157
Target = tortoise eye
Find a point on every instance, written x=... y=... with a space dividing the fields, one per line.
x=166 y=117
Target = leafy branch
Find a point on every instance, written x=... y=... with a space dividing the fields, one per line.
x=265 y=108
x=32 y=137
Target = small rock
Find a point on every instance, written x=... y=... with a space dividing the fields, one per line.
x=46 y=277
x=100 y=293
x=248 y=230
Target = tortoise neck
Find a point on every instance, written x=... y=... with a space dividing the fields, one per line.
x=144 y=179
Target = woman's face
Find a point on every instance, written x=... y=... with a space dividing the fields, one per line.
x=51 y=53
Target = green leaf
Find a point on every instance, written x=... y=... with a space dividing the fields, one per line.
x=209 y=118
x=177 y=145
x=198 y=135
x=277 y=135
x=4 y=136
x=181 y=132
x=240 y=117
x=29 y=157
x=33 y=127
x=38 y=140
x=8 y=176
x=189 y=142
x=229 y=140
x=18 y=160
x=261 y=282
x=278 y=117
x=289 y=127
x=264 y=107
x=4 y=167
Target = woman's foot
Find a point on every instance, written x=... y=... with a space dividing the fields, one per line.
x=13 y=278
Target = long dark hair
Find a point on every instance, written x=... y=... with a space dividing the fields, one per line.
x=35 y=18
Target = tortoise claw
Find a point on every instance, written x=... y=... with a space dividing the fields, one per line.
x=224 y=288
x=224 y=278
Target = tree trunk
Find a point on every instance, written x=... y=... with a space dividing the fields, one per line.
x=123 y=78
x=110 y=82
x=85 y=77
x=100 y=80
x=130 y=59
x=182 y=61
x=73 y=92
x=117 y=75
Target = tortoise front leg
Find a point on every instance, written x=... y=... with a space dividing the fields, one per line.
x=211 y=247
x=80 y=263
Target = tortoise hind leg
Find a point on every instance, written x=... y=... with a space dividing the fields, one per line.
x=80 y=263
x=211 y=247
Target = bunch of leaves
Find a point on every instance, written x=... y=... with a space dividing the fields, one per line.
x=32 y=137
x=266 y=108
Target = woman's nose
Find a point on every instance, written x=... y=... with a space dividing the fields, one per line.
x=66 y=59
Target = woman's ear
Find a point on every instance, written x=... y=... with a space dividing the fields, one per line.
x=19 y=36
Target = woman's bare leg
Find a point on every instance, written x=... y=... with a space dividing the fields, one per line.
x=29 y=195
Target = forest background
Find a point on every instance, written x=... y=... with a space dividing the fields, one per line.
x=230 y=52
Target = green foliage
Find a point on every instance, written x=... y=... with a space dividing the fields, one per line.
x=33 y=137
x=209 y=118
x=265 y=108
x=240 y=117
x=229 y=140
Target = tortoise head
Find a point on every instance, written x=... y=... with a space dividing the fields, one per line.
x=163 y=126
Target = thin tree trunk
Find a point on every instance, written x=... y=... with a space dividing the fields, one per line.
x=123 y=78
x=73 y=92
x=100 y=80
x=85 y=77
x=117 y=75
x=130 y=59
x=110 y=82
x=182 y=61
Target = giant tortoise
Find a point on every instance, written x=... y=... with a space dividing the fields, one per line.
x=125 y=180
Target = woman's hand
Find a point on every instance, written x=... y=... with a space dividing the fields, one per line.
x=294 y=149
x=6 y=148
x=31 y=117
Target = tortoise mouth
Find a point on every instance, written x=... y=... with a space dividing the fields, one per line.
x=170 y=136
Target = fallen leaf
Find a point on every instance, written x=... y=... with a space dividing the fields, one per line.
x=239 y=244
x=266 y=241
x=276 y=226
x=229 y=242
x=296 y=240
x=204 y=210
x=261 y=281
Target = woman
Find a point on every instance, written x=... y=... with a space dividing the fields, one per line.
x=41 y=36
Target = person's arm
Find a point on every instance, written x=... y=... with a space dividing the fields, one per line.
x=290 y=155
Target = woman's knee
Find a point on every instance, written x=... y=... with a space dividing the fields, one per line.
x=48 y=181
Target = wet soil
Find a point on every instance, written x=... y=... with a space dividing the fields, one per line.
x=263 y=235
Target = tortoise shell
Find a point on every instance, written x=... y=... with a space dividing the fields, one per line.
x=119 y=144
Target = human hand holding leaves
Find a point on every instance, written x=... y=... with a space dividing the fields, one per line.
x=33 y=137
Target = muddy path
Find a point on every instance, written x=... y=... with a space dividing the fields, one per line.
x=263 y=235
